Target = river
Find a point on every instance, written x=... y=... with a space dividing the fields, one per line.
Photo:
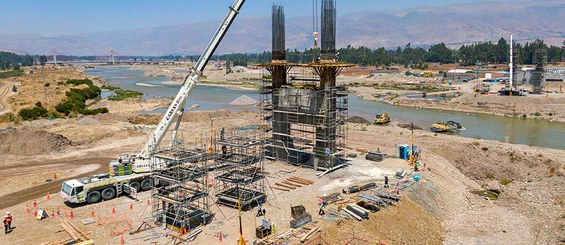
x=504 y=129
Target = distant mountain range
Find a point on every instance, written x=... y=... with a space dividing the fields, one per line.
x=452 y=24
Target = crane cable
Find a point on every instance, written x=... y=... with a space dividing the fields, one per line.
x=315 y=34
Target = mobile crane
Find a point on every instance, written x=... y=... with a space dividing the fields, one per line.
x=132 y=172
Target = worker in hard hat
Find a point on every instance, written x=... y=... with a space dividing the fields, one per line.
x=386 y=181
x=7 y=222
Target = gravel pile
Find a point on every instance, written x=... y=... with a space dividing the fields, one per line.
x=244 y=100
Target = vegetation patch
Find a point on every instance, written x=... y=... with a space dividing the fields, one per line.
x=76 y=99
x=14 y=73
x=491 y=194
x=505 y=181
x=418 y=87
x=120 y=94
x=33 y=113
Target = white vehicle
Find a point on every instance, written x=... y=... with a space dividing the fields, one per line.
x=95 y=188
x=108 y=186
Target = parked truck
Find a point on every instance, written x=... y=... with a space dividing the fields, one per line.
x=131 y=172
x=103 y=186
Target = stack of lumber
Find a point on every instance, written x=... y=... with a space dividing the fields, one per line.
x=292 y=183
x=78 y=236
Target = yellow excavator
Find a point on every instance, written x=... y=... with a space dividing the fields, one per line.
x=382 y=118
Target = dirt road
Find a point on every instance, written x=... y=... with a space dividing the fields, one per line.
x=52 y=187
x=5 y=92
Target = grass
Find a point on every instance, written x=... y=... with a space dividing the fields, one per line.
x=15 y=73
x=490 y=194
x=490 y=176
x=121 y=94
x=505 y=181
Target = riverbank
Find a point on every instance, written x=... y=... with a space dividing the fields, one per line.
x=549 y=107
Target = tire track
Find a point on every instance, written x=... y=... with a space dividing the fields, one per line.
x=18 y=197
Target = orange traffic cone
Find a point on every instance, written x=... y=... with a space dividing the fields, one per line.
x=71 y=216
x=35 y=213
x=48 y=196
x=148 y=202
x=52 y=213
x=55 y=176
x=113 y=210
x=221 y=237
x=58 y=211
x=131 y=206
x=34 y=203
x=92 y=213
x=122 y=240
x=27 y=209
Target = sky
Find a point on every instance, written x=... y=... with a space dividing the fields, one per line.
x=70 y=17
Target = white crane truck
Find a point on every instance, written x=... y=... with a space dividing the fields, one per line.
x=138 y=167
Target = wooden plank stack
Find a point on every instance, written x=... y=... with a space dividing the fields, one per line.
x=292 y=183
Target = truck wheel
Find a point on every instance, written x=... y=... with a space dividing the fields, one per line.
x=108 y=193
x=146 y=184
x=135 y=185
x=93 y=197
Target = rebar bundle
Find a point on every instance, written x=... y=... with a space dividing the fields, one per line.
x=328 y=29
x=278 y=33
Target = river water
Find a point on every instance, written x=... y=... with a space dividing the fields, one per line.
x=504 y=129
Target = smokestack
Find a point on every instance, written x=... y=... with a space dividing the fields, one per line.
x=279 y=50
x=328 y=29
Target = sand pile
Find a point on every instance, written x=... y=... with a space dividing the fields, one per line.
x=88 y=120
x=28 y=142
x=357 y=119
x=244 y=100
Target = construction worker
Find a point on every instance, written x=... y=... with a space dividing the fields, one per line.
x=10 y=220
x=7 y=222
x=322 y=206
x=386 y=181
x=183 y=226
x=337 y=57
x=259 y=209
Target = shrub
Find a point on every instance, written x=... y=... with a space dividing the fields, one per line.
x=38 y=104
x=505 y=181
x=76 y=98
x=490 y=176
x=32 y=114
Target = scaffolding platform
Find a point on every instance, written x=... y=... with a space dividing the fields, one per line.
x=249 y=198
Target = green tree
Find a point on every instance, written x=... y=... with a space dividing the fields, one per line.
x=42 y=60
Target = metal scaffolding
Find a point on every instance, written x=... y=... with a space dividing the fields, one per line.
x=303 y=103
x=239 y=168
x=180 y=193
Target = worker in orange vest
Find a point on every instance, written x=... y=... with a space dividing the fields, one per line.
x=7 y=222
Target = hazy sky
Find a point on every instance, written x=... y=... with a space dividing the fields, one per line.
x=67 y=17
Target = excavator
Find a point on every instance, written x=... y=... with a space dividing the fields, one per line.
x=132 y=172
x=382 y=118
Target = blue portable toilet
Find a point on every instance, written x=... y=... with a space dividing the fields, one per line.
x=403 y=151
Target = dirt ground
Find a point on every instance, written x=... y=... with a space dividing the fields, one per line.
x=439 y=209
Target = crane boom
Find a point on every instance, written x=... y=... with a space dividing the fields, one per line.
x=190 y=80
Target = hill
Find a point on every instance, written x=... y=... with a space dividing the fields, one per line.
x=452 y=24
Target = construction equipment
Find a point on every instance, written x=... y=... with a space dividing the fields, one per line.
x=449 y=126
x=428 y=74
x=440 y=127
x=382 y=118
x=111 y=185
